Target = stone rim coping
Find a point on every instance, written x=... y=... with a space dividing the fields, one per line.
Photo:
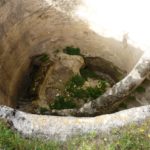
x=61 y=128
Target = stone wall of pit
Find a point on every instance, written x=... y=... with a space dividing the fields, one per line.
x=31 y=27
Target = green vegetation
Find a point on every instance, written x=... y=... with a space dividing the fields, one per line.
x=93 y=92
x=132 y=137
x=131 y=97
x=123 y=105
x=43 y=58
x=39 y=67
x=75 y=92
x=62 y=102
x=140 y=89
x=10 y=140
x=43 y=110
x=76 y=80
x=75 y=88
x=70 y=50
x=87 y=73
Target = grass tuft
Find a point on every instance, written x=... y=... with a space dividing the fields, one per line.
x=62 y=102
x=70 y=50
x=75 y=92
x=10 y=140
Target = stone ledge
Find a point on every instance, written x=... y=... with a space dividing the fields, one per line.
x=61 y=128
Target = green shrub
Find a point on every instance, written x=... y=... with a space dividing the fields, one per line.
x=131 y=97
x=79 y=93
x=93 y=92
x=43 y=110
x=74 y=91
x=87 y=73
x=43 y=57
x=102 y=85
x=62 y=102
x=71 y=50
x=77 y=80
x=140 y=89
x=74 y=88
x=75 y=84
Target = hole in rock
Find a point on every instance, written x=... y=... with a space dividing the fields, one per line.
x=67 y=82
x=64 y=78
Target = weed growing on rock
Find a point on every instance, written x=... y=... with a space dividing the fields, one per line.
x=87 y=73
x=62 y=102
x=93 y=93
x=43 y=110
x=75 y=92
x=43 y=57
x=70 y=50
x=76 y=80
x=140 y=89
x=131 y=97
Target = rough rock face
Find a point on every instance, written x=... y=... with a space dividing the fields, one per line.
x=29 y=28
x=100 y=64
x=57 y=76
x=73 y=62
x=110 y=100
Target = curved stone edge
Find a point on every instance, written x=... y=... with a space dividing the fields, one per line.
x=61 y=128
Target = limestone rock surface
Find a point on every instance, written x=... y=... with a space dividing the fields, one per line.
x=61 y=128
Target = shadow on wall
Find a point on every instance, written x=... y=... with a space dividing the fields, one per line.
x=42 y=28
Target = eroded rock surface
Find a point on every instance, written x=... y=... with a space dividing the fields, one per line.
x=29 y=28
x=64 y=67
